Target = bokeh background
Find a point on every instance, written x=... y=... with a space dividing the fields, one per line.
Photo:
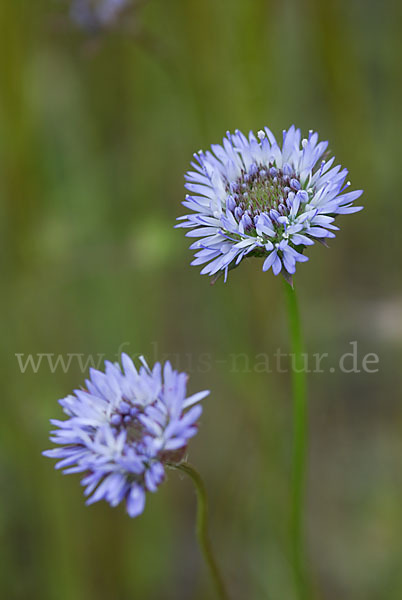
x=96 y=131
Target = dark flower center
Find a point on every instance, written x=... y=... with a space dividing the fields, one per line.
x=126 y=417
x=262 y=189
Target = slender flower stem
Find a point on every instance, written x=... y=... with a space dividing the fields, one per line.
x=202 y=527
x=299 y=439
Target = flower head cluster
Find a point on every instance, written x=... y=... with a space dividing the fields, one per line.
x=253 y=197
x=123 y=428
x=96 y=14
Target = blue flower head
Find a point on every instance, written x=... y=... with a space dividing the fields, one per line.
x=123 y=428
x=96 y=14
x=253 y=197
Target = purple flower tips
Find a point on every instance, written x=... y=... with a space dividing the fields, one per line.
x=93 y=15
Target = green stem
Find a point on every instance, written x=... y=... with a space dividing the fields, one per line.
x=202 y=527
x=299 y=439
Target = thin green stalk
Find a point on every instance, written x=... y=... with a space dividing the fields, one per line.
x=202 y=527
x=299 y=440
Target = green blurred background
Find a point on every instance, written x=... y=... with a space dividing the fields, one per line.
x=95 y=135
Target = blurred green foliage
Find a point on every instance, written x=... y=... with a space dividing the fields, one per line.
x=95 y=135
